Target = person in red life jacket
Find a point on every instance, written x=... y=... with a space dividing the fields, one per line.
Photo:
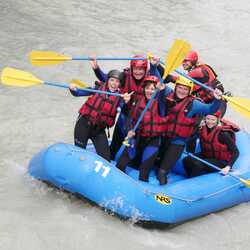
x=97 y=113
x=203 y=73
x=218 y=147
x=183 y=112
x=206 y=75
x=133 y=78
x=148 y=134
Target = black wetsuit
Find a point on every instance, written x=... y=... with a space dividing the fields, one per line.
x=84 y=130
x=144 y=155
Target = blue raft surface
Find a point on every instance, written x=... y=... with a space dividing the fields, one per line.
x=84 y=172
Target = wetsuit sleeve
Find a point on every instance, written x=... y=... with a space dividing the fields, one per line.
x=225 y=138
x=101 y=76
x=160 y=69
x=169 y=78
x=163 y=93
x=121 y=104
x=153 y=70
x=200 y=108
x=161 y=98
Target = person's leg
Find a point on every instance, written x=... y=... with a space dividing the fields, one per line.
x=163 y=146
x=215 y=162
x=188 y=164
x=101 y=144
x=129 y=155
x=195 y=167
x=123 y=161
x=81 y=132
x=191 y=145
x=116 y=142
x=119 y=135
x=171 y=155
x=149 y=155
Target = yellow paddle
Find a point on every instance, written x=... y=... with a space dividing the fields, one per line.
x=175 y=56
x=19 y=78
x=239 y=104
x=47 y=58
x=44 y=58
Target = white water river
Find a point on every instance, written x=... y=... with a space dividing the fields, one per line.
x=34 y=216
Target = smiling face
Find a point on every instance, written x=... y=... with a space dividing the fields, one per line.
x=187 y=65
x=182 y=91
x=113 y=84
x=149 y=90
x=138 y=72
x=211 y=121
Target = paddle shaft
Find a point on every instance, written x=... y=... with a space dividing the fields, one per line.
x=119 y=153
x=66 y=86
x=108 y=58
x=210 y=164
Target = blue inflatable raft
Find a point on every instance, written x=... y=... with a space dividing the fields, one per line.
x=83 y=172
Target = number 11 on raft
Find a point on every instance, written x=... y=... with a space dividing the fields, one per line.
x=99 y=166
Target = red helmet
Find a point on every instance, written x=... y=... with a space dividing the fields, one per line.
x=139 y=63
x=217 y=114
x=152 y=79
x=192 y=56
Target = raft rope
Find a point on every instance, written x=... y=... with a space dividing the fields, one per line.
x=148 y=192
x=195 y=199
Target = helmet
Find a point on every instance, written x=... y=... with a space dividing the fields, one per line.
x=139 y=63
x=192 y=56
x=217 y=114
x=115 y=74
x=183 y=81
x=152 y=79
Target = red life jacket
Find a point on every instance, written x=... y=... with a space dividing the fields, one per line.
x=178 y=124
x=211 y=147
x=197 y=72
x=152 y=123
x=130 y=86
x=101 y=109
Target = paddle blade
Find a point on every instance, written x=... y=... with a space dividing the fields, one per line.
x=246 y=182
x=18 y=78
x=175 y=56
x=241 y=105
x=79 y=84
x=45 y=58
x=149 y=55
